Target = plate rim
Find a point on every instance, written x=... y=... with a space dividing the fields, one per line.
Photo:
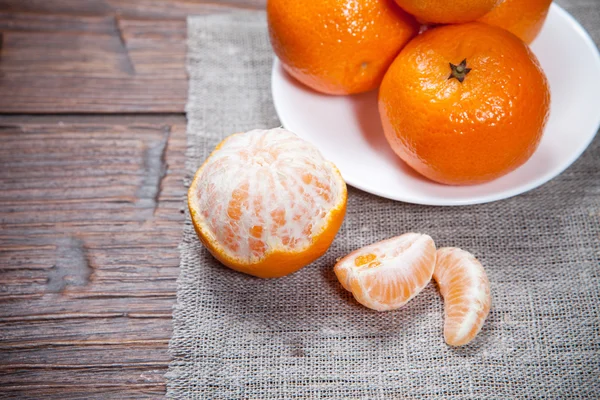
x=480 y=199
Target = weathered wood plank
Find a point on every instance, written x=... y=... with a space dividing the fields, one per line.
x=178 y=9
x=90 y=215
x=72 y=7
x=155 y=48
x=91 y=95
x=97 y=328
x=83 y=391
x=127 y=165
x=97 y=56
x=42 y=55
x=39 y=22
x=96 y=64
x=137 y=9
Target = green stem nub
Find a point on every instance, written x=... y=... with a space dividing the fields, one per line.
x=460 y=71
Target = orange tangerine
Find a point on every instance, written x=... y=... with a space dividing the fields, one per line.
x=267 y=203
x=524 y=18
x=338 y=46
x=465 y=104
x=447 y=11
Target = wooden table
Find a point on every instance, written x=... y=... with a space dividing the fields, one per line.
x=92 y=149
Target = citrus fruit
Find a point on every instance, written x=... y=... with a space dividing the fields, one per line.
x=338 y=46
x=386 y=275
x=524 y=18
x=267 y=203
x=464 y=104
x=447 y=11
x=466 y=292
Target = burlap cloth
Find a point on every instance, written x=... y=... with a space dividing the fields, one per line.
x=303 y=336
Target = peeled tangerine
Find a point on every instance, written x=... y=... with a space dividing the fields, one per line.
x=466 y=291
x=267 y=203
x=386 y=275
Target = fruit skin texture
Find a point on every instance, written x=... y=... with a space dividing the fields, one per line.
x=466 y=291
x=470 y=132
x=388 y=274
x=524 y=18
x=275 y=262
x=447 y=11
x=338 y=46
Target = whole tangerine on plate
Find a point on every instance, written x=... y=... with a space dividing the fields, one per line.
x=466 y=291
x=464 y=104
x=524 y=18
x=388 y=274
x=267 y=203
x=447 y=11
x=338 y=46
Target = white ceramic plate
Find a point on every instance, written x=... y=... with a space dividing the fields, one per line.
x=347 y=129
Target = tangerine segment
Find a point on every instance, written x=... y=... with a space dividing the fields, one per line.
x=386 y=275
x=466 y=292
x=267 y=203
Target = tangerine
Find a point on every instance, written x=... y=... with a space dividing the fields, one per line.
x=267 y=203
x=524 y=18
x=447 y=12
x=338 y=46
x=464 y=104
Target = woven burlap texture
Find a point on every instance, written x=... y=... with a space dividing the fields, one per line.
x=303 y=336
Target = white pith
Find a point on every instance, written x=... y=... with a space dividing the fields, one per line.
x=271 y=163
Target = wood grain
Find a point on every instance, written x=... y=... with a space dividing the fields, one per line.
x=137 y=9
x=118 y=66
x=90 y=214
x=97 y=56
x=91 y=205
